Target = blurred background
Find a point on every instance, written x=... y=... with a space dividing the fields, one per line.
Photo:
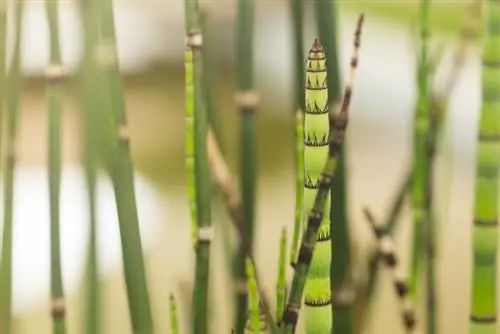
x=150 y=39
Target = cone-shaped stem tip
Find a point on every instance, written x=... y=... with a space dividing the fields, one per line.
x=316 y=47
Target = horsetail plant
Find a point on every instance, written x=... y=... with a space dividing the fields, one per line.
x=281 y=281
x=3 y=57
x=93 y=103
x=388 y=253
x=420 y=133
x=55 y=76
x=340 y=271
x=253 y=323
x=174 y=321
x=316 y=141
x=13 y=90
x=121 y=171
x=222 y=177
x=323 y=180
x=199 y=129
x=189 y=89
x=247 y=100
x=483 y=314
x=299 y=106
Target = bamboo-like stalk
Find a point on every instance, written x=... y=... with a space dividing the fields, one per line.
x=201 y=187
x=3 y=72
x=340 y=272
x=388 y=253
x=93 y=289
x=420 y=133
x=247 y=100
x=253 y=323
x=483 y=313
x=299 y=107
x=388 y=226
x=336 y=139
x=12 y=97
x=191 y=22
x=94 y=105
x=55 y=76
x=121 y=170
x=174 y=321
x=281 y=281
x=225 y=182
x=318 y=294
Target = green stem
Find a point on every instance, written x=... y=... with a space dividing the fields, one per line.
x=174 y=321
x=281 y=281
x=12 y=95
x=485 y=238
x=246 y=101
x=299 y=107
x=55 y=74
x=388 y=254
x=324 y=180
x=122 y=175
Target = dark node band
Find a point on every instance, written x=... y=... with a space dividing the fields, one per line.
x=354 y=62
x=390 y=259
x=486 y=223
x=401 y=288
x=316 y=110
x=318 y=303
x=325 y=181
x=324 y=237
x=309 y=184
x=488 y=319
x=305 y=254
x=315 y=218
x=409 y=319
x=489 y=137
x=290 y=316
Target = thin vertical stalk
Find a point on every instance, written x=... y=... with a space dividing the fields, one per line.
x=55 y=76
x=12 y=95
x=246 y=101
x=420 y=133
x=299 y=107
x=189 y=82
x=95 y=144
x=202 y=186
x=93 y=289
x=3 y=65
x=483 y=313
x=253 y=322
x=281 y=281
x=336 y=139
x=174 y=321
x=122 y=175
x=388 y=254
x=342 y=315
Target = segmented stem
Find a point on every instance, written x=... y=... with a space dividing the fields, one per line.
x=388 y=254
x=55 y=75
x=299 y=107
x=174 y=321
x=253 y=323
x=420 y=136
x=323 y=183
x=281 y=281
x=484 y=305
x=12 y=94
x=316 y=142
x=247 y=100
